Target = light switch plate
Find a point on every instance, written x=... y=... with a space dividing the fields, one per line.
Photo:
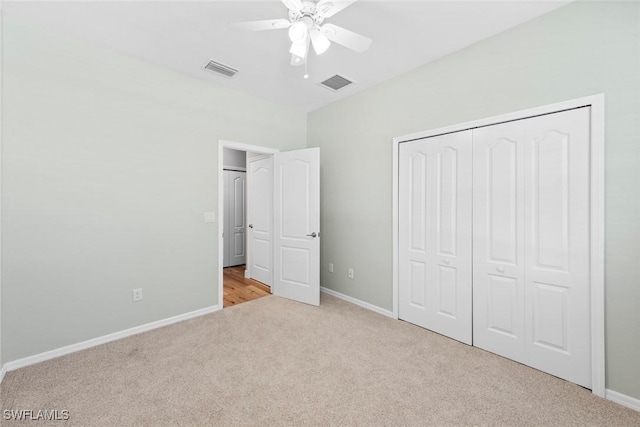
x=209 y=217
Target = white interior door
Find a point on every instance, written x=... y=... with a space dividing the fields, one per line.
x=260 y=218
x=498 y=239
x=557 y=287
x=531 y=243
x=435 y=234
x=226 y=232
x=297 y=225
x=235 y=218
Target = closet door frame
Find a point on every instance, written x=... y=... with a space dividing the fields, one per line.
x=597 y=212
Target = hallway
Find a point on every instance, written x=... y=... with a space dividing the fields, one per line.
x=238 y=289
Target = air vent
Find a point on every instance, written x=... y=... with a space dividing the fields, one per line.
x=336 y=82
x=219 y=68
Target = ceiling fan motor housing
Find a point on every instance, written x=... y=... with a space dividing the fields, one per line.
x=310 y=11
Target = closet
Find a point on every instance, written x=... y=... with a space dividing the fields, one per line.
x=494 y=239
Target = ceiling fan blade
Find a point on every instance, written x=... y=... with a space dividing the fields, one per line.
x=346 y=38
x=329 y=8
x=319 y=41
x=267 y=24
x=293 y=5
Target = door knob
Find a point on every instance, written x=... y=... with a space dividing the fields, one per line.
x=314 y=234
x=446 y=261
x=500 y=269
x=250 y=225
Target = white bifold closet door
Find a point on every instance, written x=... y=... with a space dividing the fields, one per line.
x=531 y=243
x=435 y=234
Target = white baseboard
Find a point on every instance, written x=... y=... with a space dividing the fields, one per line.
x=357 y=302
x=3 y=371
x=62 y=351
x=623 y=399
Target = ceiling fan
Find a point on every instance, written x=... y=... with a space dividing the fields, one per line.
x=306 y=28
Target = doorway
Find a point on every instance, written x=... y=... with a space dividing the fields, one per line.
x=283 y=222
x=237 y=287
x=233 y=249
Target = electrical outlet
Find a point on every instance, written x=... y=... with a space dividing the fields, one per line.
x=330 y=267
x=137 y=294
x=351 y=273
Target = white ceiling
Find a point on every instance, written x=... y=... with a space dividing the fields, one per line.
x=184 y=35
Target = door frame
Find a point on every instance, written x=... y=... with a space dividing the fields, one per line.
x=222 y=144
x=597 y=211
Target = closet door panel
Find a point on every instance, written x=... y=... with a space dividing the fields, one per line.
x=498 y=245
x=415 y=260
x=447 y=221
x=237 y=219
x=417 y=280
x=502 y=304
x=452 y=225
x=557 y=245
x=435 y=234
x=447 y=213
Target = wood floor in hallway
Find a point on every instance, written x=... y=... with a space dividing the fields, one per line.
x=238 y=289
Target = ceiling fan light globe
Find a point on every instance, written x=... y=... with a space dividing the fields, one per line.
x=319 y=41
x=298 y=32
x=299 y=50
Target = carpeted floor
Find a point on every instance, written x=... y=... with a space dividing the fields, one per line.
x=276 y=362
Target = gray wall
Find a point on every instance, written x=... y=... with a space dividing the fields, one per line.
x=108 y=165
x=581 y=49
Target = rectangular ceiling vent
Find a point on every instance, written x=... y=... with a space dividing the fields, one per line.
x=219 y=68
x=336 y=82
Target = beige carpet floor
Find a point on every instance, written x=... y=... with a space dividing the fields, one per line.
x=276 y=362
